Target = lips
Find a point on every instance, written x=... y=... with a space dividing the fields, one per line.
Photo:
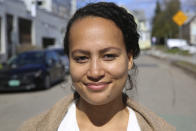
x=97 y=86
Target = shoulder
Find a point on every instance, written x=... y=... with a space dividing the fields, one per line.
x=50 y=119
x=31 y=124
x=148 y=120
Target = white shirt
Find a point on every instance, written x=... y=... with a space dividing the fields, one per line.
x=69 y=122
x=132 y=123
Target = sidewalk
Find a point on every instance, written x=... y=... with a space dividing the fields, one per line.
x=187 y=63
x=172 y=57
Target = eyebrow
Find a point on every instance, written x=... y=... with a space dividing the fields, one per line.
x=101 y=51
x=80 y=51
x=110 y=48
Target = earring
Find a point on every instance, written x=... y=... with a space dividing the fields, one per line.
x=73 y=88
x=130 y=82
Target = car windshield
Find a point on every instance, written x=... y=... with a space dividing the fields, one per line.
x=60 y=52
x=27 y=58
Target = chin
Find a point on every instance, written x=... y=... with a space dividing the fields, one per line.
x=97 y=102
x=98 y=99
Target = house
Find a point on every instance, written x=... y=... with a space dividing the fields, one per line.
x=58 y=7
x=143 y=29
x=189 y=30
x=39 y=23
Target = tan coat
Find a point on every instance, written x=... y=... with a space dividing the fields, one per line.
x=50 y=120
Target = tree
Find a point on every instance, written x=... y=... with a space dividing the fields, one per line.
x=155 y=21
x=162 y=23
x=172 y=29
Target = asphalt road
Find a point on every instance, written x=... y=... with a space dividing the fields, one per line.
x=166 y=90
x=17 y=107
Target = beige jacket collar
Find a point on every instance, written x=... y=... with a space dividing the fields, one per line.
x=50 y=120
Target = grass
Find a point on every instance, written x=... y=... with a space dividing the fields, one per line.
x=178 y=51
x=187 y=65
x=182 y=64
x=172 y=51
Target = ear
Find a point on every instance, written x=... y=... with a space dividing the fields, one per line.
x=130 y=61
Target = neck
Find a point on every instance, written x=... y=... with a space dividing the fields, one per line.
x=100 y=114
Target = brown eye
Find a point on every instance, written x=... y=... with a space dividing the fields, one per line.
x=81 y=59
x=109 y=57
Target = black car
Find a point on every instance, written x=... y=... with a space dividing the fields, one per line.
x=31 y=70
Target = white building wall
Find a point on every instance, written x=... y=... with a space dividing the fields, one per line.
x=45 y=24
x=3 y=40
x=16 y=9
x=144 y=41
x=28 y=4
x=193 y=32
x=60 y=7
x=73 y=7
x=46 y=4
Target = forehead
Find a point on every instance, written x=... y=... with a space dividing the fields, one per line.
x=93 y=19
x=96 y=30
x=91 y=22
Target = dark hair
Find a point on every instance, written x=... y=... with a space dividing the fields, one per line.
x=124 y=21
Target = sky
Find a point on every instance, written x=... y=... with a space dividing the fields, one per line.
x=148 y=6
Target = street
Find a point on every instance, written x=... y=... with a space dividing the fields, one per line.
x=164 y=89
x=168 y=91
x=17 y=107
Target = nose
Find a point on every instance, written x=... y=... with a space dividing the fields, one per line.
x=95 y=71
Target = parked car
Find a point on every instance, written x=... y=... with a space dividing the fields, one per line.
x=190 y=48
x=64 y=58
x=31 y=70
x=176 y=43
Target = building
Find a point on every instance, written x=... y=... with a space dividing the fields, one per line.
x=143 y=29
x=189 y=30
x=60 y=8
x=39 y=23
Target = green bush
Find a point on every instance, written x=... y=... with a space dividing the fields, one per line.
x=173 y=50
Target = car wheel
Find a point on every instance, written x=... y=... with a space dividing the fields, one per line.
x=63 y=75
x=47 y=82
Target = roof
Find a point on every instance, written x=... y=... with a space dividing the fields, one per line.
x=191 y=17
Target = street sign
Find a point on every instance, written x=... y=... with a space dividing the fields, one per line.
x=179 y=18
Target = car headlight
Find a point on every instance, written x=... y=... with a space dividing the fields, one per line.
x=31 y=75
x=38 y=73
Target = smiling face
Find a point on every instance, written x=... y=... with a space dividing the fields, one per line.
x=99 y=62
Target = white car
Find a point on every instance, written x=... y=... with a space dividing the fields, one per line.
x=176 y=43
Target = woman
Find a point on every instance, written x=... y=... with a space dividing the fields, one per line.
x=101 y=42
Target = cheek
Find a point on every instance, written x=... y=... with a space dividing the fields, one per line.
x=118 y=69
x=76 y=72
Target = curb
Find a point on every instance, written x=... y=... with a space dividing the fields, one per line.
x=187 y=69
x=175 y=63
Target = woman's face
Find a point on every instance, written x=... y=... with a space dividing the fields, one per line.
x=99 y=62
